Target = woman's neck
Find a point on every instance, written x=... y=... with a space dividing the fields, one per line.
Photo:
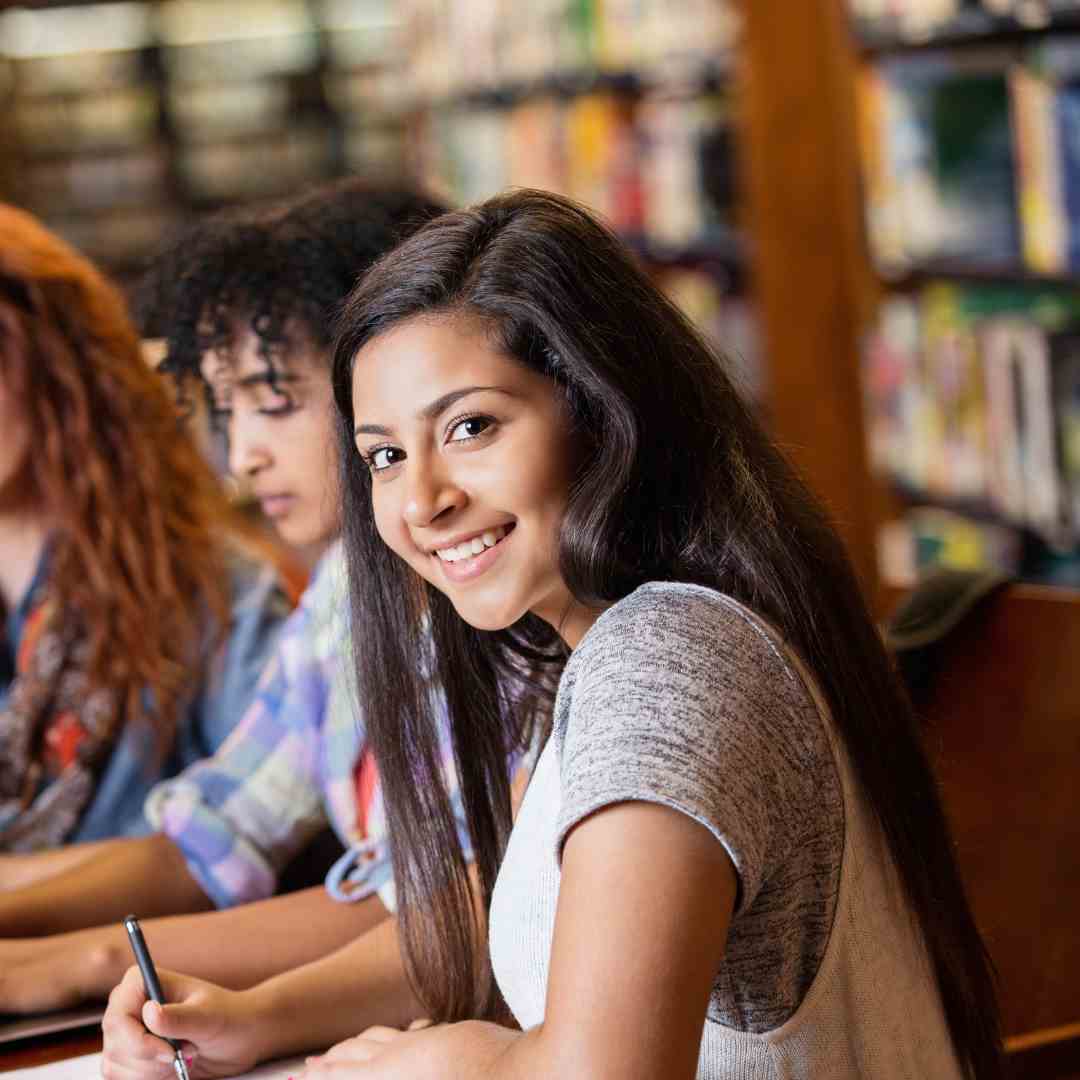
x=22 y=539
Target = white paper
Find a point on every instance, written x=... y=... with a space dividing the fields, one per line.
x=88 y=1067
x=27 y=1027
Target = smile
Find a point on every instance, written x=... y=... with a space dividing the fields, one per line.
x=467 y=549
x=466 y=560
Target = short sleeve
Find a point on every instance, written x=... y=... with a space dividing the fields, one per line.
x=678 y=696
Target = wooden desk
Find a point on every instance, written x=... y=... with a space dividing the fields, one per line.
x=43 y=1049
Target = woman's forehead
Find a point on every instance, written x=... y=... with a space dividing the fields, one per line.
x=245 y=355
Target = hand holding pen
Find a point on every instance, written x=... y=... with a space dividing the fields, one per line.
x=226 y=1032
x=153 y=986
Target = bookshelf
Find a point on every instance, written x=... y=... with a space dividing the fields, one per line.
x=630 y=107
x=128 y=118
x=975 y=27
x=972 y=201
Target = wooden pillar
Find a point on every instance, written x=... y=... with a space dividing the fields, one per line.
x=810 y=276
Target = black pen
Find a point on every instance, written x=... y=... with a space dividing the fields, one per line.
x=153 y=985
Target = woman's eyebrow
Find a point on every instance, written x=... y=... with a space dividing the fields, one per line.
x=371 y=429
x=441 y=404
x=433 y=409
x=257 y=378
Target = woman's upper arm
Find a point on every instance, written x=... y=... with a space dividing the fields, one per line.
x=645 y=902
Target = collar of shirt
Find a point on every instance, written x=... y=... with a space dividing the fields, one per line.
x=11 y=628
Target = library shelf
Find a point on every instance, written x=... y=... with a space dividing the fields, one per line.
x=1039 y=560
x=566 y=85
x=971 y=29
x=727 y=257
x=918 y=274
x=974 y=508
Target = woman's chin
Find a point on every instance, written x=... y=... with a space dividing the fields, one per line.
x=480 y=618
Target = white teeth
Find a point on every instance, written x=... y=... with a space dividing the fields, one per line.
x=468 y=548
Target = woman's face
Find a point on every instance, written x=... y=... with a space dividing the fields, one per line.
x=471 y=457
x=281 y=436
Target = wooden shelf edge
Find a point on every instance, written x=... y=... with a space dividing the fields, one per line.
x=970 y=31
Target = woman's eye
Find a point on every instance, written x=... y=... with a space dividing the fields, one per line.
x=469 y=428
x=383 y=457
x=278 y=410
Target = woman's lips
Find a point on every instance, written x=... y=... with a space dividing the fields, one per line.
x=466 y=569
x=276 y=506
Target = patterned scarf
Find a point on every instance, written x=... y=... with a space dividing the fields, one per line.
x=55 y=734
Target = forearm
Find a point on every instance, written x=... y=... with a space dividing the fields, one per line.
x=313 y=1007
x=241 y=946
x=18 y=871
x=147 y=875
x=236 y=948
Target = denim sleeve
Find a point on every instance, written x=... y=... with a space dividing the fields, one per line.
x=240 y=816
x=259 y=612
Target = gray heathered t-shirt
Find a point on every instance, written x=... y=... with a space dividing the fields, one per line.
x=677 y=695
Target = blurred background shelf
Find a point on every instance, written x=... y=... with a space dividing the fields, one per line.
x=973 y=28
x=969 y=134
x=915 y=276
x=684 y=125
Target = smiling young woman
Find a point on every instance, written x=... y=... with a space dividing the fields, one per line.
x=731 y=853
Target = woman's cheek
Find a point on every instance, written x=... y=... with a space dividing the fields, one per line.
x=383 y=521
x=391 y=529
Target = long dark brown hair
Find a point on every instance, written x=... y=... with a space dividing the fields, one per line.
x=138 y=520
x=678 y=482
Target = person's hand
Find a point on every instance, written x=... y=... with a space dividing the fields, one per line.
x=425 y=1052
x=216 y=1028
x=57 y=972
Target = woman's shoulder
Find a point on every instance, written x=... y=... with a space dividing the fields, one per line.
x=679 y=649
x=666 y=619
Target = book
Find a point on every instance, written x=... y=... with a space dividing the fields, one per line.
x=941 y=170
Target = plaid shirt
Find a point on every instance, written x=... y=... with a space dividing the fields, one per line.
x=291 y=766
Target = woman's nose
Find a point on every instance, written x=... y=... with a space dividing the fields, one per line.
x=432 y=493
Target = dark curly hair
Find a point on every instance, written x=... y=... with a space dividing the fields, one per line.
x=282 y=269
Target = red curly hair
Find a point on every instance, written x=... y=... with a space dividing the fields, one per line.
x=139 y=521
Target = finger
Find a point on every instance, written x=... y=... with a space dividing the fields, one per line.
x=358 y=1045
x=125 y=1037
x=112 y=1069
x=357 y=1049
x=188 y=1022
x=419 y=1025
x=122 y=1069
x=366 y=1068
x=378 y=1033
x=129 y=993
